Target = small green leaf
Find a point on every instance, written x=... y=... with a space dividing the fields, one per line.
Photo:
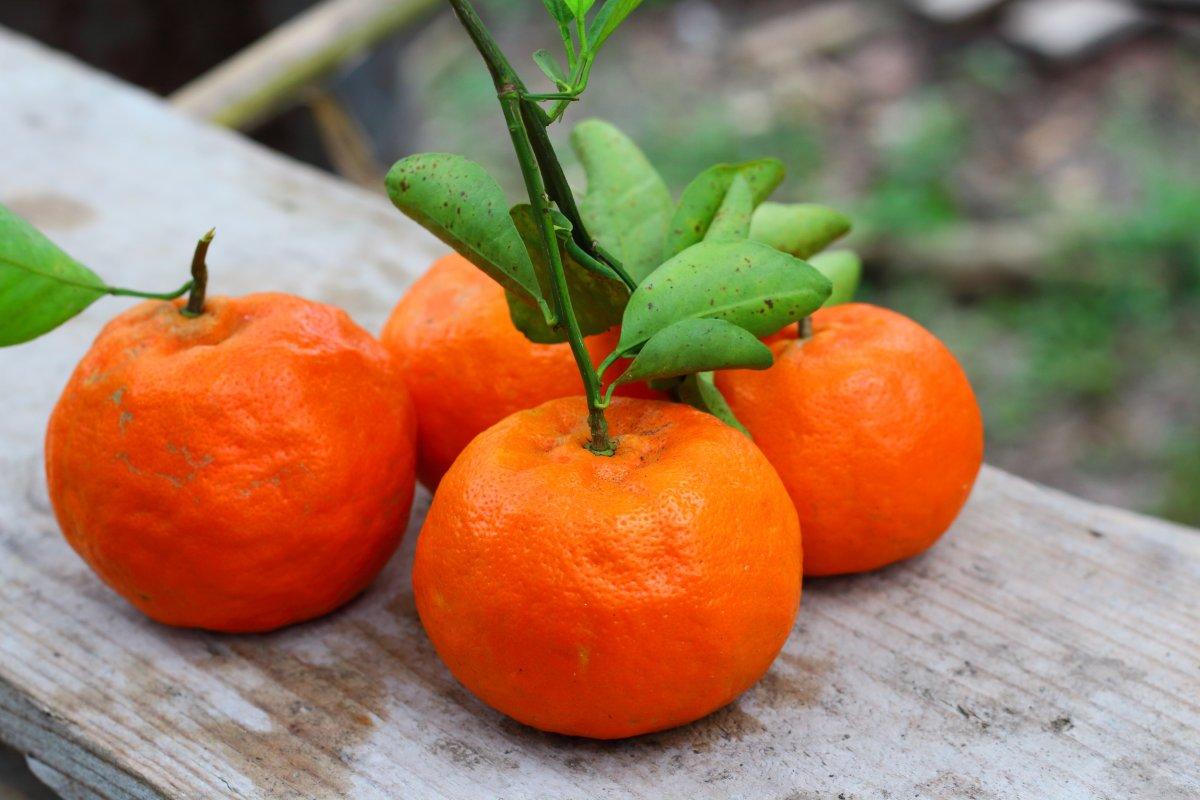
x=41 y=287
x=703 y=197
x=598 y=300
x=560 y=11
x=627 y=205
x=700 y=391
x=843 y=268
x=608 y=19
x=801 y=229
x=579 y=7
x=732 y=220
x=549 y=66
x=745 y=282
x=697 y=345
x=457 y=201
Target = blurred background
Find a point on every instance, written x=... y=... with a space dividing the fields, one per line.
x=1024 y=175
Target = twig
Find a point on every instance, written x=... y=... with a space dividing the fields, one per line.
x=347 y=144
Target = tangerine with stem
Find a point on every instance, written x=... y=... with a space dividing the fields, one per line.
x=238 y=469
x=467 y=367
x=609 y=596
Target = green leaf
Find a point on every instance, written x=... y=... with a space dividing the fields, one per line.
x=598 y=300
x=697 y=345
x=41 y=287
x=801 y=229
x=745 y=282
x=700 y=391
x=843 y=268
x=560 y=11
x=627 y=205
x=549 y=66
x=703 y=197
x=608 y=19
x=732 y=220
x=579 y=7
x=457 y=201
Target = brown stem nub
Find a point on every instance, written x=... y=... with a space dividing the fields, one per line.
x=804 y=328
x=195 y=301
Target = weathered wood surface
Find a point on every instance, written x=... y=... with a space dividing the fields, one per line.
x=1046 y=648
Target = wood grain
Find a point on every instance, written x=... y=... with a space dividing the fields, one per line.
x=1046 y=648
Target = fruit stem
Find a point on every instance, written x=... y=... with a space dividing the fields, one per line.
x=195 y=301
x=804 y=328
x=509 y=91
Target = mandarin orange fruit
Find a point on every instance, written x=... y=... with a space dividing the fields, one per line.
x=468 y=367
x=240 y=470
x=609 y=596
x=873 y=428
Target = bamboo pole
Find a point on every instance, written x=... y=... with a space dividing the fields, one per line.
x=271 y=74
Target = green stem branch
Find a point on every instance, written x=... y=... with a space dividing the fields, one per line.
x=579 y=80
x=509 y=90
x=608 y=361
x=585 y=258
x=557 y=186
x=117 y=291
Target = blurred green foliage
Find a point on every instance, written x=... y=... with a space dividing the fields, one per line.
x=913 y=190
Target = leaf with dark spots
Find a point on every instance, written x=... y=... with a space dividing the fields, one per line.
x=457 y=201
x=732 y=220
x=704 y=282
x=703 y=197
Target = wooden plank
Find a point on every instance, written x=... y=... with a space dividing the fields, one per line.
x=1046 y=648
